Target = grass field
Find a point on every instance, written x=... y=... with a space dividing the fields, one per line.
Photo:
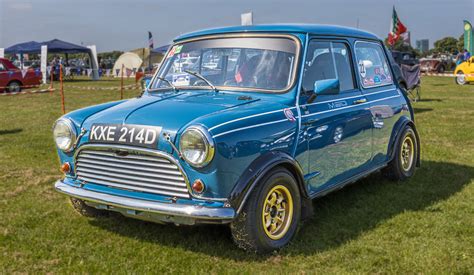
x=425 y=225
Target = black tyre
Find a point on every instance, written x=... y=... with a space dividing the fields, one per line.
x=403 y=164
x=270 y=217
x=14 y=87
x=460 y=78
x=85 y=210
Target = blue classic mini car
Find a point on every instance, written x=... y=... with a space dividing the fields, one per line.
x=243 y=126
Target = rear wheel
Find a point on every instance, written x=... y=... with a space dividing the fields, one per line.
x=14 y=87
x=460 y=78
x=270 y=217
x=403 y=164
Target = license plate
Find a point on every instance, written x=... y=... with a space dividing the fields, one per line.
x=136 y=135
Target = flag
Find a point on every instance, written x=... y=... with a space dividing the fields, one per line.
x=150 y=40
x=396 y=28
x=24 y=72
x=128 y=72
x=468 y=37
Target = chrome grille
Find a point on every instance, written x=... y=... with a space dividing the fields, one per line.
x=133 y=169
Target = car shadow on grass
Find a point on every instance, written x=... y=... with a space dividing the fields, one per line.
x=338 y=218
x=10 y=131
x=422 y=110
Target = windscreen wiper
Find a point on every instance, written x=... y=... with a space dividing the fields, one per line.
x=198 y=75
x=167 y=82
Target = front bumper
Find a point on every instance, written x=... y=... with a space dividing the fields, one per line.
x=149 y=210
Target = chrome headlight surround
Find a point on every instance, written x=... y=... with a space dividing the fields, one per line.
x=196 y=146
x=64 y=134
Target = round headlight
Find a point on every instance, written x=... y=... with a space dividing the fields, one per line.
x=64 y=134
x=196 y=146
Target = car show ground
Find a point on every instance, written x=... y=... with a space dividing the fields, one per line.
x=423 y=225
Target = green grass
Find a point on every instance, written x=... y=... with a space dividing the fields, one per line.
x=424 y=225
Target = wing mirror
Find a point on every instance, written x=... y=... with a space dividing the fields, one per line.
x=324 y=87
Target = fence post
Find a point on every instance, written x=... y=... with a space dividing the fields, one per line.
x=61 y=88
x=51 y=72
x=121 y=83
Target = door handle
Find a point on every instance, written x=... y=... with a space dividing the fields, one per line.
x=360 y=101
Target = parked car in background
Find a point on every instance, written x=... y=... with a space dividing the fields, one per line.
x=300 y=111
x=405 y=58
x=435 y=64
x=13 y=80
x=465 y=72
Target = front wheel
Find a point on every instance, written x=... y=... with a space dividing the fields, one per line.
x=403 y=164
x=14 y=87
x=270 y=217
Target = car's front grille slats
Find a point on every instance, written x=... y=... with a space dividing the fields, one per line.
x=133 y=170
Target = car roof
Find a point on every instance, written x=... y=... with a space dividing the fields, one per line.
x=285 y=28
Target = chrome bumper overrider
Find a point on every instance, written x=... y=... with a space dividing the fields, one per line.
x=149 y=210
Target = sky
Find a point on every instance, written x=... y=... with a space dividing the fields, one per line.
x=123 y=25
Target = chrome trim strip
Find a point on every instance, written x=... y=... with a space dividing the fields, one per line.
x=246 y=117
x=344 y=98
x=191 y=211
x=351 y=106
x=249 y=127
x=162 y=190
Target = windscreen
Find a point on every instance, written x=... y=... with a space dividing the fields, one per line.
x=245 y=62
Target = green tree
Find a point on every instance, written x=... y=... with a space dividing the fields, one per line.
x=461 y=43
x=446 y=45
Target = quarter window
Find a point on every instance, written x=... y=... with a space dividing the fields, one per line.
x=328 y=60
x=372 y=65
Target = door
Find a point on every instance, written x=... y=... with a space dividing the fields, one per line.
x=336 y=127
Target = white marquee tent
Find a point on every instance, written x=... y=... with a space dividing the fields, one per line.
x=130 y=61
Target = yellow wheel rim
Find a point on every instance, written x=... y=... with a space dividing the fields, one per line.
x=277 y=212
x=407 y=153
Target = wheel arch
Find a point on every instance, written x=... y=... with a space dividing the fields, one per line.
x=396 y=135
x=15 y=80
x=258 y=169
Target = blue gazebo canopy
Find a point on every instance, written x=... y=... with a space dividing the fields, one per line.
x=25 y=47
x=161 y=50
x=59 y=46
x=54 y=46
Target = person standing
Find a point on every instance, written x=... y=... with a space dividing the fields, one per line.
x=467 y=55
x=460 y=58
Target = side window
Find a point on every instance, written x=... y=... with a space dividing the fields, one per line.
x=2 y=67
x=328 y=60
x=372 y=65
x=343 y=66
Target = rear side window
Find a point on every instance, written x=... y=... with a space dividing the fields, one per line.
x=372 y=65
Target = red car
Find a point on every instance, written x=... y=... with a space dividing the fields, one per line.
x=12 y=79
